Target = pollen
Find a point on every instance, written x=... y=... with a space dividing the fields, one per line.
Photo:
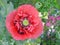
x=25 y=22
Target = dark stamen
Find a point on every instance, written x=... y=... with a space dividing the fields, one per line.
x=20 y=32
x=15 y=22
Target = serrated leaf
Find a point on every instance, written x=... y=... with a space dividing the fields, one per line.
x=3 y=3
x=5 y=7
x=10 y=7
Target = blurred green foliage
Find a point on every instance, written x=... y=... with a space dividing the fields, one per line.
x=43 y=6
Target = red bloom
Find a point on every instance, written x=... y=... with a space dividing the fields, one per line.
x=15 y=23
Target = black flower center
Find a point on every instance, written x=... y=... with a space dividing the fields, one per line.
x=21 y=24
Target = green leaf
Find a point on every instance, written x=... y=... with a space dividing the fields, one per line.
x=38 y=5
x=10 y=7
x=58 y=35
x=6 y=7
x=58 y=4
x=3 y=3
x=57 y=42
x=19 y=43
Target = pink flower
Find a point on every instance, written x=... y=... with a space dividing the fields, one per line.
x=58 y=18
x=15 y=23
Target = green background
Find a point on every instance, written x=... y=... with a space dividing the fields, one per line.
x=43 y=6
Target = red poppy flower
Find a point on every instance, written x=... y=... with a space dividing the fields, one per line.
x=24 y=23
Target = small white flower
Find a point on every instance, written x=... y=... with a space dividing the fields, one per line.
x=52 y=26
x=40 y=15
x=49 y=30
x=53 y=30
